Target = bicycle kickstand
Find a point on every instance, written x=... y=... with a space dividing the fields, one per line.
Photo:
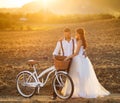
x=38 y=89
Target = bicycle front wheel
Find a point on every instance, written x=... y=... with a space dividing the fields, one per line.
x=61 y=82
x=26 y=84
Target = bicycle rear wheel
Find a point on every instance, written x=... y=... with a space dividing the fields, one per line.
x=59 y=84
x=26 y=84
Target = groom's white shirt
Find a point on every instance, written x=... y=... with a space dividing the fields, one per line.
x=67 y=46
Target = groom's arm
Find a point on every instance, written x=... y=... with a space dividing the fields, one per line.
x=56 y=50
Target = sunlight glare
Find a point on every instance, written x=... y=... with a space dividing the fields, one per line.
x=45 y=3
x=13 y=3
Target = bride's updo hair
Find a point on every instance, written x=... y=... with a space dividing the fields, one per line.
x=81 y=32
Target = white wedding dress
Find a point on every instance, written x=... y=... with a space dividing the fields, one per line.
x=86 y=84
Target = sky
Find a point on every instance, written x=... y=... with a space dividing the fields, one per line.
x=13 y=3
x=19 y=3
x=69 y=6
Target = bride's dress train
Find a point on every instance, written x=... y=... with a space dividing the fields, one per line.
x=86 y=84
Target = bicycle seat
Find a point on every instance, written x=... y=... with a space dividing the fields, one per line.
x=32 y=62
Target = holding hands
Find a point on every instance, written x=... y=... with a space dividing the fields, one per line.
x=69 y=57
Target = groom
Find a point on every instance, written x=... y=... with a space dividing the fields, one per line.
x=67 y=45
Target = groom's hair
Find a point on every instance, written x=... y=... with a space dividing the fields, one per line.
x=67 y=30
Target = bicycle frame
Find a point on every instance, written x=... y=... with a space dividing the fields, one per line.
x=37 y=77
x=49 y=71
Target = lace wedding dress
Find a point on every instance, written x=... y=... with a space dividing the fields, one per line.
x=86 y=84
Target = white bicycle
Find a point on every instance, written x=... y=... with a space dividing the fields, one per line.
x=28 y=82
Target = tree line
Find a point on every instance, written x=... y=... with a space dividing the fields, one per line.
x=18 y=21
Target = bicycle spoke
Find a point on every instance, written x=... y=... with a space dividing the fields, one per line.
x=59 y=84
x=23 y=86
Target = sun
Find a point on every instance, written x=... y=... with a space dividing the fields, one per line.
x=45 y=3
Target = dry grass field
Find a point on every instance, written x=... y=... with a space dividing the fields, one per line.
x=16 y=47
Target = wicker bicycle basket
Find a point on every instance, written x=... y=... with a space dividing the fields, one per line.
x=60 y=64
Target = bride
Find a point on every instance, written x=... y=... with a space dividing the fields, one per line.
x=86 y=84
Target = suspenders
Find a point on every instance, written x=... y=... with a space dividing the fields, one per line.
x=63 y=49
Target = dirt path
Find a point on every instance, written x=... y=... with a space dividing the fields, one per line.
x=113 y=98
